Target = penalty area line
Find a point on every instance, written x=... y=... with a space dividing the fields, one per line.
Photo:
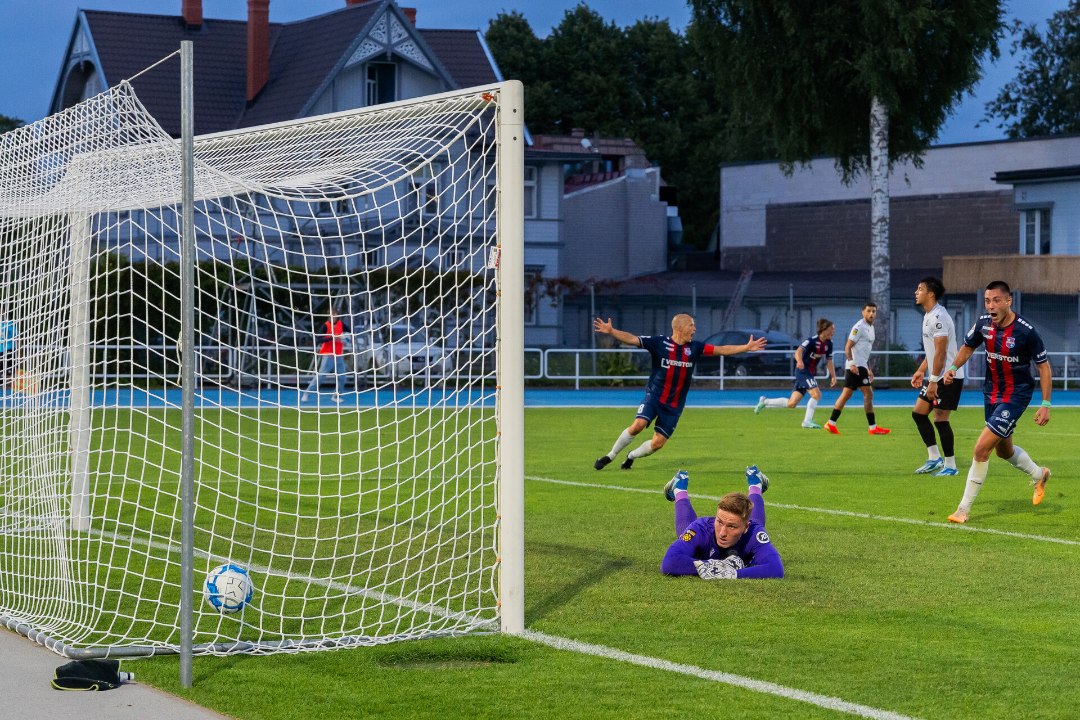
x=759 y=686
x=830 y=511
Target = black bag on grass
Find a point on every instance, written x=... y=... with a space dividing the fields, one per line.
x=88 y=675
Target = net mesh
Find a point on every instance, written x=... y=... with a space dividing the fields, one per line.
x=345 y=427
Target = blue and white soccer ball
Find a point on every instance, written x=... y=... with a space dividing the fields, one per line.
x=228 y=588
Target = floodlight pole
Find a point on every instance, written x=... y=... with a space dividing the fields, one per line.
x=187 y=363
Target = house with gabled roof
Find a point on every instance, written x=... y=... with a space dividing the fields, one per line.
x=368 y=52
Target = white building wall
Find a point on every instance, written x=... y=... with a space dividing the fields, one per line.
x=747 y=190
x=1065 y=217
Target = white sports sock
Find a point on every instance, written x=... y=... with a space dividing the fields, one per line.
x=976 y=475
x=625 y=439
x=934 y=454
x=642 y=450
x=776 y=402
x=950 y=462
x=811 y=406
x=1023 y=462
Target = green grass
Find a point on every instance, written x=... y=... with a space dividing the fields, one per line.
x=883 y=604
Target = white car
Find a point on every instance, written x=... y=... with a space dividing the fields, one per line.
x=399 y=351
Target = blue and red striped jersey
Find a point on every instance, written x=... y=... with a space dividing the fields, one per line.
x=672 y=368
x=814 y=350
x=1010 y=350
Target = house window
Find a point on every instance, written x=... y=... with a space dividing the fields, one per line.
x=381 y=83
x=425 y=186
x=534 y=293
x=530 y=192
x=1035 y=231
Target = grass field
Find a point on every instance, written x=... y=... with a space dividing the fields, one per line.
x=884 y=605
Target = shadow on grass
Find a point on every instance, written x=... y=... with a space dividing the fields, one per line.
x=589 y=567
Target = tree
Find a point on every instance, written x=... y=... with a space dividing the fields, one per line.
x=9 y=123
x=869 y=82
x=646 y=82
x=1044 y=97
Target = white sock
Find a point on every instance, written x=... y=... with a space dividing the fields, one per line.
x=976 y=475
x=950 y=462
x=932 y=451
x=642 y=450
x=624 y=440
x=1023 y=462
x=811 y=406
x=776 y=402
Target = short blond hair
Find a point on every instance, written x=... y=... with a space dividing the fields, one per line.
x=736 y=503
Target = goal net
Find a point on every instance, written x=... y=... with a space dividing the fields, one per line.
x=355 y=296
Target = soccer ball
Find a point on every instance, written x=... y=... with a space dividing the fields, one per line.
x=228 y=588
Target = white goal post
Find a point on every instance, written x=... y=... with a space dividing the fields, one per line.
x=358 y=413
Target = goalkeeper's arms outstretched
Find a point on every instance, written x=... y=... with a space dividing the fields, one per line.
x=732 y=544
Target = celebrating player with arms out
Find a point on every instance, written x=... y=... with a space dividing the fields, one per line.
x=673 y=361
x=731 y=545
x=1011 y=344
x=939 y=346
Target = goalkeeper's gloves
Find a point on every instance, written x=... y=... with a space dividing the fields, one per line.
x=726 y=569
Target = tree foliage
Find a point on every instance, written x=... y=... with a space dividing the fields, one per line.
x=1044 y=97
x=646 y=82
x=809 y=69
x=9 y=123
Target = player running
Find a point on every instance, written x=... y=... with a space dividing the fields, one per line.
x=807 y=356
x=731 y=545
x=1011 y=344
x=857 y=373
x=674 y=358
x=939 y=348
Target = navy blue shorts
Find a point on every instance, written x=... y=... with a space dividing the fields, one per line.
x=666 y=418
x=804 y=381
x=1001 y=418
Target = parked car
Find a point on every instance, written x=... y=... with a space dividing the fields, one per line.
x=776 y=359
x=398 y=351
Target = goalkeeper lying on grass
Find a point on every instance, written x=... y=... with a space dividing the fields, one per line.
x=731 y=545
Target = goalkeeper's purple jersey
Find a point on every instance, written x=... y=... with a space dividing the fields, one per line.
x=1010 y=351
x=672 y=368
x=698 y=542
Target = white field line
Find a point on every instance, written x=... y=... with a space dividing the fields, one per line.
x=824 y=701
x=828 y=511
x=561 y=643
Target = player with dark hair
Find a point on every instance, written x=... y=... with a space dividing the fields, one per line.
x=807 y=356
x=731 y=545
x=857 y=372
x=1011 y=344
x=939 y=347
x=674 y=358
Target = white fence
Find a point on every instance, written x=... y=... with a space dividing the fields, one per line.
x=255 y=364
x=585 y=364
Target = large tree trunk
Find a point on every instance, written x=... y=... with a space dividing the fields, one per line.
x=879 y=222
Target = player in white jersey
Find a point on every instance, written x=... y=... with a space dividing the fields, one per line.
x=857 y=372
x=939 y=347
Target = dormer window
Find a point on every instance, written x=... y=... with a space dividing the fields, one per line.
x=381 y=85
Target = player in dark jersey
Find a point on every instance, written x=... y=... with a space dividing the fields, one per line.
x=1011 y=345
x=807 y=356
x=673 y=361
x=732 y=544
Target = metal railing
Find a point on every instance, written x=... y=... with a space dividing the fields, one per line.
x=577 y=365
x=289 y=365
